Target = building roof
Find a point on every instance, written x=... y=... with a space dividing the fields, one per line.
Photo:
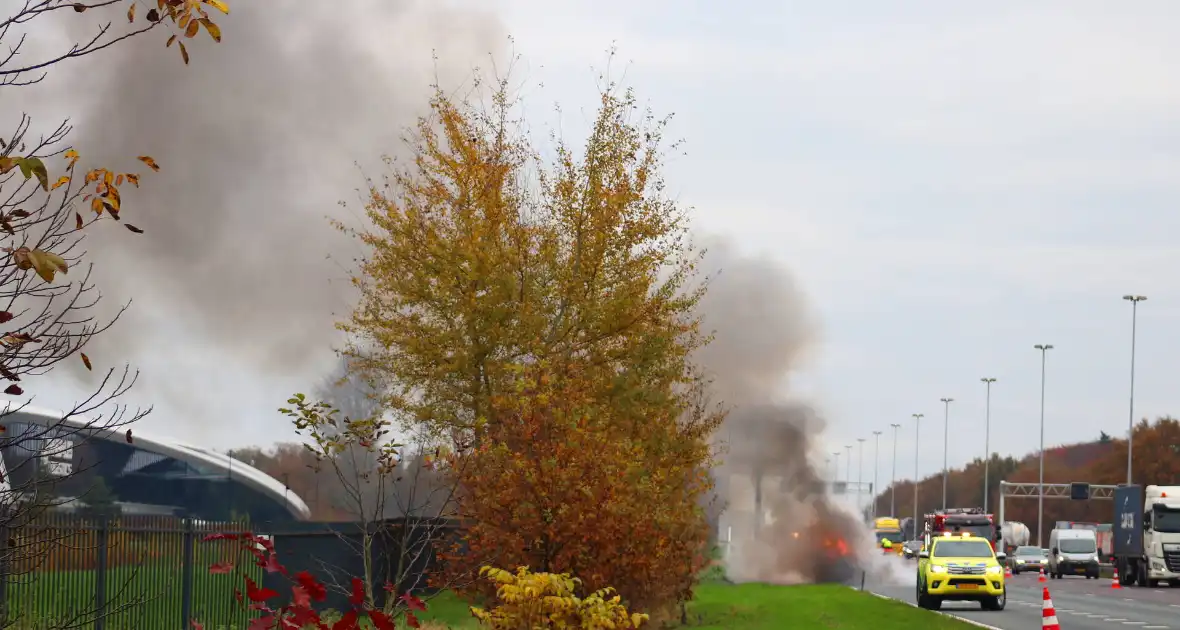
x=238 y=470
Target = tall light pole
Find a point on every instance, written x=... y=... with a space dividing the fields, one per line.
x=987 y=434
x=876 y=468
x=946 y=426
x=893 y=477
x=1134 y=300
x=860 y=471
x=917 y=434
x=848 y=464
x=836 y=468
x=1044 y=348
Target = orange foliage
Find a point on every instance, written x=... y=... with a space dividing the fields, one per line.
x=555 y=486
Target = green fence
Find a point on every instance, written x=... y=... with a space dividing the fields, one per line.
x=125 y=573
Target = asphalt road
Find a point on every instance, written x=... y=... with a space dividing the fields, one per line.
x=1081 y=604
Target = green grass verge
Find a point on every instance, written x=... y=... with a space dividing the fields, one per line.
x=807 y=607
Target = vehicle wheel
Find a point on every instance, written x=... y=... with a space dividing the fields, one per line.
x=935 y=602
x=1153 y=583
x=1174 y=583
x=1015 y=572
x=996 y=603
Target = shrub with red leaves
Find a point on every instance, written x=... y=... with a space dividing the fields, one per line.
x=299 y=613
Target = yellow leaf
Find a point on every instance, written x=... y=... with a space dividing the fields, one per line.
x=33 y=166
x=146 y=159
x=72 y=156
x=119 y=180
x=219 y=5
x=133 y=178
x=130 y=18
x=61 y=181
x=183 y=52
x=6 y=164
x=193 y=27
x=170 y=40
x=213 y=29
x=183 y=21
x=86 y=361
x=46 y=264
x=108 y=178
x=96 y=205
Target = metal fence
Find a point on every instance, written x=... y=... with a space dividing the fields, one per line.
x=125 y=573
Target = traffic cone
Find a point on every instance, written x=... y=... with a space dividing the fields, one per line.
x=1114 y=582
x=1041 y=577
x=1007 y=572
x=1049 y=614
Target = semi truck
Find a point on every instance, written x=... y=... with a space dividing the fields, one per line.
x=888 y=528
x=1013 y=534
x=1146 y=545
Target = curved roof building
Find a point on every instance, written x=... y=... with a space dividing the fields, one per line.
x=147 y=474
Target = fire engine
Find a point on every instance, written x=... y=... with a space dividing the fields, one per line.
x=973 y=521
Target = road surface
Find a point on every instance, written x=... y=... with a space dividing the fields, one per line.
x=1081 y=604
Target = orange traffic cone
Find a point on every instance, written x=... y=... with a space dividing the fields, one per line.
x=1049 y=614
x=1041 y=577
x=1114 y=582
x=1007 y=572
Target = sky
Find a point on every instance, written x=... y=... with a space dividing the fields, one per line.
x=949 y=183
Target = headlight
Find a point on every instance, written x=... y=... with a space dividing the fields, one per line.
x=995 y=570
x=1020 y=562
x=937 y=568
x=1094 y=558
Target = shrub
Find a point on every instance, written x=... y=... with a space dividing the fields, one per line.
x=306 y=590
x=547 y=600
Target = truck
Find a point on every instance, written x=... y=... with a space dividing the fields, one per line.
x=1102 y=530
x=973 y=521
x=1013 y=534
x=1146 y=545
x=888 y=528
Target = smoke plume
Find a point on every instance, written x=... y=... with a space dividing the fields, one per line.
x=259 y=140
x=764 y=332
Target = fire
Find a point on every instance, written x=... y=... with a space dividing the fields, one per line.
x=837 y=546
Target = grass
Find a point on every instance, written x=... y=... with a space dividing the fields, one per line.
x=720 y=606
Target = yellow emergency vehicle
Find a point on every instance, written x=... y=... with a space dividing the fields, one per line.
x=960 y=567
x=887 y=532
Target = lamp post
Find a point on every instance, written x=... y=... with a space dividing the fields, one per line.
x=987 y=433
x=860 y=471
x=893 y=476
x=1134 y=300
x=1044 y=348
x=917 y=434
x=946 y=426
x=836 y=469
x=876 y=468
x=848 y=464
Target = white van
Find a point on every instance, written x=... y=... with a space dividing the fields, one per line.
x=1073 y=552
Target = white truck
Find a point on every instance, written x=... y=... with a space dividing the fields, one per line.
x=1147 y=535
x=1015 y=535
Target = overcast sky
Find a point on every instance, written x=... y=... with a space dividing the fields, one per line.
x=951 y=183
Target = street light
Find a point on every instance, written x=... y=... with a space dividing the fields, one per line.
x=893 y=477
x=860 y=471
x=917 y=434
x=876 y=467
x=1044 y=348
x=946 y=425
x=1134 y=300
x=848 y=464
x=987 y=433
x=836 y=470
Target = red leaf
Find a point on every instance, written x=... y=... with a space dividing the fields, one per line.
x=382 y=621
x=262 y=623
x=221 y=568
x=312 y=586
x=128 y=438
x=413 y=603
x=14 y=390
x=358 y=592
x=412 y=621
x=220 y=537
x=271 y=564
x=350 y=621
x=256 y=593
x=300 y=598
x=5 y=316
x=196 y=625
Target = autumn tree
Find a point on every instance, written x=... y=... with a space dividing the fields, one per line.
x=48 y=200
x=484 y=259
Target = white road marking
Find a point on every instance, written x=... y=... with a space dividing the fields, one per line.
x=1120 y=619
x=1155 y=627
x=1134 y=623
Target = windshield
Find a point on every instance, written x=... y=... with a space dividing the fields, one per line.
x=986 y=532
x=1165 y=520
x=1077 y=545
x=962 y=549
x=1029 y=552
x=893 y=537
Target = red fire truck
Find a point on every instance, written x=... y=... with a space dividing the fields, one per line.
x=973 y=521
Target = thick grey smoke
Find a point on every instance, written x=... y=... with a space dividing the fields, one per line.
x=259 y=139
x=764 y=332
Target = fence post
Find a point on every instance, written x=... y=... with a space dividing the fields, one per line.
x=100 y=573
x=186 y=575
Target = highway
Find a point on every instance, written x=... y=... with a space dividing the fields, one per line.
x=1081 y=604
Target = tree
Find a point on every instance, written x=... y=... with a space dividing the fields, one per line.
x=47 y=202
x=559 y=489
x=473 y=274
